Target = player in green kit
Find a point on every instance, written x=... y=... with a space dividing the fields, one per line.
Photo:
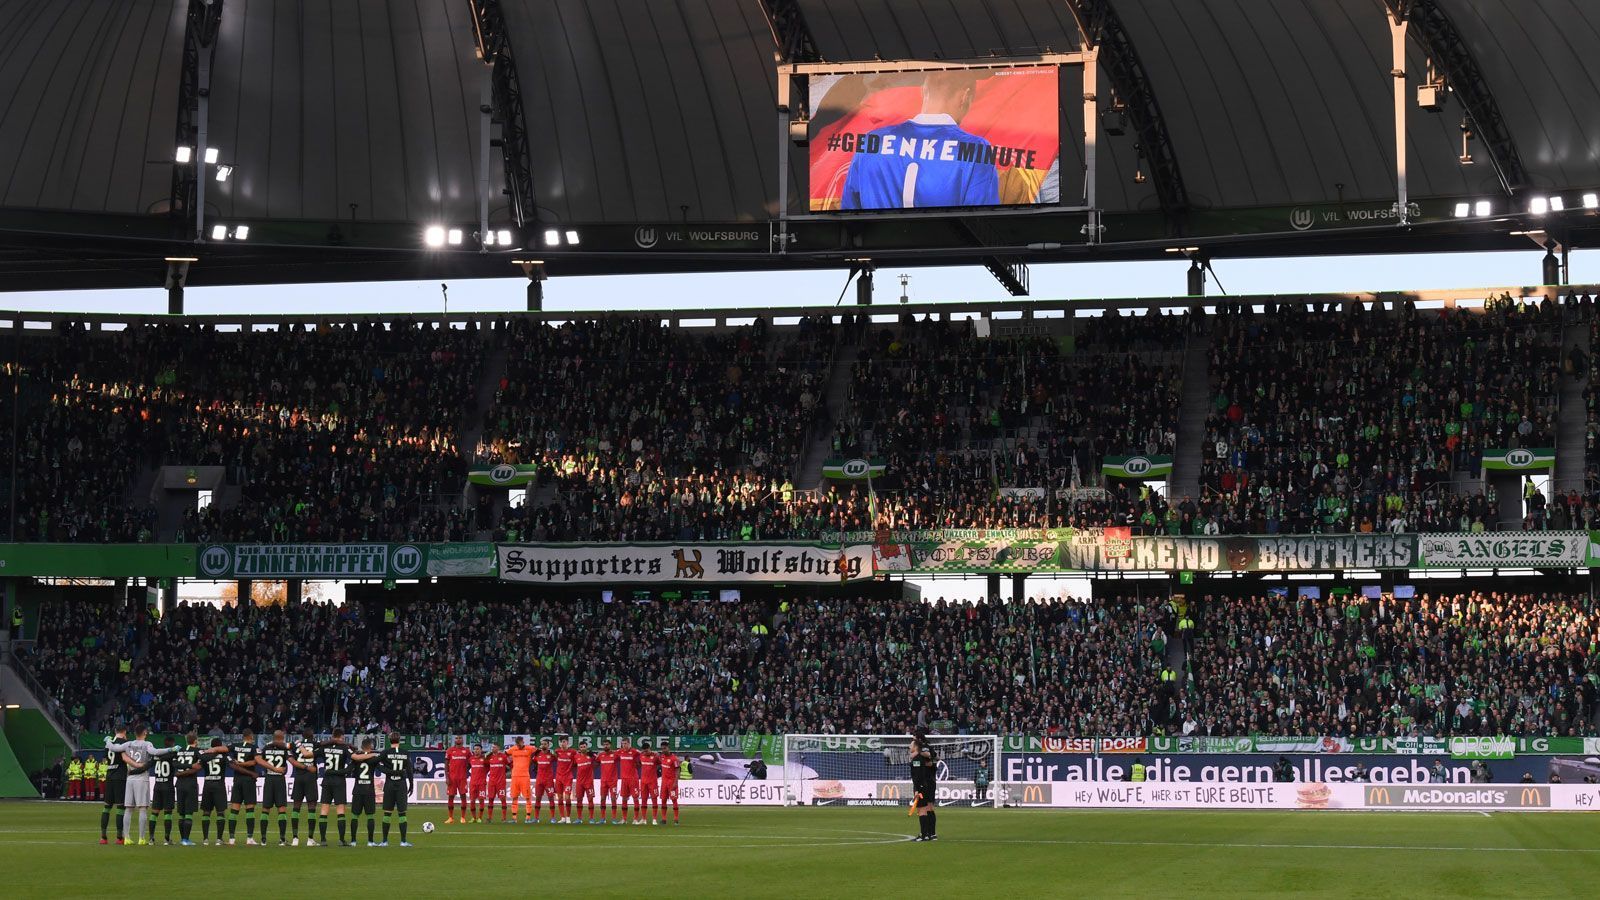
x=397 y=777
x=164 y=798
x=274 y=761
x=363 y=794
x=214 y=796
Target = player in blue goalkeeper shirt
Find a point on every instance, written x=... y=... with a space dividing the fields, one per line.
x=927 y=160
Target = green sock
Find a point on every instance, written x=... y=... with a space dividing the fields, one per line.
x=322 y=822
x=387 y=815
x=402 y=827
x=233 y=824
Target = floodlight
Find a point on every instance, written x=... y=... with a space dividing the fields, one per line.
x=1557 y=204
x=241 y=232
x=185 y=153
x=505 y=237
x=434 y=236
x=572 y=237
x=454 y=237
x=1463 y=210
x=1591 y=201
x=219 y=232
x=1539 y=205
x=1482 y=208
x=223 y=172
x=552 y=237
x=211 y=156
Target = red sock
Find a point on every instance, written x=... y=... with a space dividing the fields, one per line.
x=450 y=801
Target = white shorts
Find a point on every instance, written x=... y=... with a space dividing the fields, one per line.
x=137 y=792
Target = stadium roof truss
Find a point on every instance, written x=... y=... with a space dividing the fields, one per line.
x=336 y=141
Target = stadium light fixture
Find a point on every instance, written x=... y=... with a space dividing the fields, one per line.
x=504 y=235
x=552 y=237
x=1557 y=204
x=181 y=259
x=1539 y=205
x=434 y=236
x=572 y=237
x=219 y=232
x=1463 y=210
x=1482 y=208
x=241 y=232
x=223 y=172
x=212 y=154
x=1591 y=201
x=184 y=154
x=453 y=237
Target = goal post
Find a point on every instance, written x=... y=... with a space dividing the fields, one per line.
x=874 y=769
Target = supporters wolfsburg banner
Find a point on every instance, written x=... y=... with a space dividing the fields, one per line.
x=1501 y=549
x=312 y=560
x=734 y=563
x=505 y=475
x=1521 y=459
x=1137 y=467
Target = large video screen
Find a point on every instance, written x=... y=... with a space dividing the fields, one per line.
x=931 y=140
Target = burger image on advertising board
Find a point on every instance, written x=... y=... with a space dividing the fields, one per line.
x=827 y=790
x=1314 y=795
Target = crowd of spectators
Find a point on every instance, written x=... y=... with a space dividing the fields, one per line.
x=1471 y=663
x=1461 y=663
x=341 y=432
x=1356 y=418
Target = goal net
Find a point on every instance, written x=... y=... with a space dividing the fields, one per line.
x=874 y=769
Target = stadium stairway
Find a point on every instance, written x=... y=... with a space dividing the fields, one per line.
x=495 y=367
x=17 y=685
x=819 y=446
x=1571 y=408
x=1193 y=405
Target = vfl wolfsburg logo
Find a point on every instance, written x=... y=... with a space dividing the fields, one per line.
x=1519 y=458
x=1136 y=465
x=1301 y=218
x=645 y=237
x=407 y=560
x=855 y=468
x=502 y=473
x=215 y=560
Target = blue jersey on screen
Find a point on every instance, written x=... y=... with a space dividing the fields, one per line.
x=927 y=161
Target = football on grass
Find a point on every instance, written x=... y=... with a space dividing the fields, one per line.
x=427 y=827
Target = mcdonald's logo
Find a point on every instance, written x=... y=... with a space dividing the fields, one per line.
x=1377 y=796
x=888 y=790
x=1034 y=794
x=1532 y=796
x=430 y=791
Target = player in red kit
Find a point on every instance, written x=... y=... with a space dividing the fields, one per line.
x=607 y=758
x=564 y=759
x=544 y=781
x=628 y=774
x=477 y=783
x=669 y=783
x=498 y=762
x=583 y=782
x=457 y=761
x=648 y=801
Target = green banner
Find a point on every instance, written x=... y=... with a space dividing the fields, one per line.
x=1483 y=747
x=313 y=560
x=1136 y=467
x=852 y=469
x=1118 y=549
x=1520 y=459
x=97 y=560
x=505 y=475
x=1504 y=549
x=462 y=560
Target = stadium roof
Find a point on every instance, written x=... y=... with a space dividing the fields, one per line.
x=351 y=125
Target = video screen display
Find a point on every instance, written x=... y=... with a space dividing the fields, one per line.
x=932 y=140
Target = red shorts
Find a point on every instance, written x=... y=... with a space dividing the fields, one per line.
x=585 y=787
x=480 y=788
x=647 y=788
x=497 y=788
x=453 y=785
x=563 y=785
x=608 y=788
x=669 y=789
x=630 y=787
x=543 y=786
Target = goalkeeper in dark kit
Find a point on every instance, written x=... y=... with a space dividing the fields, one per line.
x=924 y=780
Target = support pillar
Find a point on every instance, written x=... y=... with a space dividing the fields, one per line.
x=1397 y=42
x=864 y=285
x=177 y=276
x=1197 y=278
x=991 y=585
x=1019 y=587
x=534 y=269
x=1550 y=269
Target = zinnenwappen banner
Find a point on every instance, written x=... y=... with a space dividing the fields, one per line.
x=745 y=562
x=1501 y=549
x=312 y=560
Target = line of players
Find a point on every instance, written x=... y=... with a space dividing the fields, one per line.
x=565 y=776
x=189 y=779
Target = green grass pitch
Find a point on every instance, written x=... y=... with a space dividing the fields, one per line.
x=51 y=850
